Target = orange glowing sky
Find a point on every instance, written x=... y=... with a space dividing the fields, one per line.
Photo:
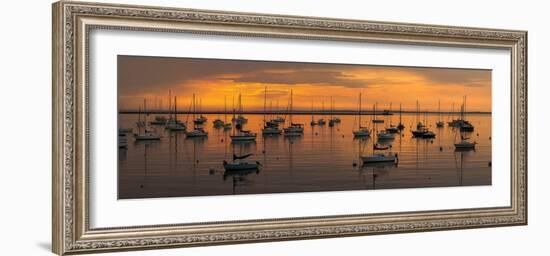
x=212 y=80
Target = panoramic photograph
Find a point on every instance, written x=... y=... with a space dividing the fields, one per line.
x=209 y=127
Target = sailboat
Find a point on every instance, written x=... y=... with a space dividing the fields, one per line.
x=270 y=128
x=465 y=126
x=147 y=134
x=439 y=123
x=226 y=125
x=172 y=124
x=197 y=130
x=240 y=163
x=400 y=126
x=464 y=143
x=378 y=157
x=278 y=119
x=391 y=128
x=376 y=121
x=312 y=123
x=201 y=119
x=241 y=135
x=218 y=123
x=361 y=131
x=382 y=135
x=240 y=119
x=421 y=130
x=293 y=129
x=162 y=120
x=322 y=121
x=333 y=119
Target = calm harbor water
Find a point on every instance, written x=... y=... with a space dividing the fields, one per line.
x=323 y=159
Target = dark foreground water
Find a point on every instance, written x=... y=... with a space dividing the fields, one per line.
x=323 y=159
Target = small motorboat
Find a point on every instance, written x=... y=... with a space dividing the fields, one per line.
x=174 y=126
x=147 y=135
x=466 y=127
x=423 y=133
x=200 y=120
x=379 y=147
x=240 y=119
x=464 y=144
x=278 y=119
x=362 y=132
x=294 y=128
x=384 y=135
x=379 y=158
x=159 y=120
x=240 y=164
x=392 y=129
x=269 y=130
x=243 y=136
x=125 y=130
x=400 y=126
x=439 y=124
x=218 y=123
x=196 y=132
x=321 y=121
x=378 y=121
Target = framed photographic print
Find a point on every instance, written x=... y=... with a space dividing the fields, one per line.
x=178 y=127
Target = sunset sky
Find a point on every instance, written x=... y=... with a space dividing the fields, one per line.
x=212 y=80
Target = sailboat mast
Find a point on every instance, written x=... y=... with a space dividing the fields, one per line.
x=390 y=114
x=175 y=109
x=169 y=104
x=291 y=107
x=265 y=101
x=359 y=110
x=224 y=109
x=439 y=109
x=312 y=111
x=139 y=119
x=145 y=110
x=400 y=113
x=194 y=107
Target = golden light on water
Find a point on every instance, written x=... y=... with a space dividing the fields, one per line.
x=213 y=80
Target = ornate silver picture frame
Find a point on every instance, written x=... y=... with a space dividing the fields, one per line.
x=72 y=24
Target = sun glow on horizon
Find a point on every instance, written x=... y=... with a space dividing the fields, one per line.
x=218 y=83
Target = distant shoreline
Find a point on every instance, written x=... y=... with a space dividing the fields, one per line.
x=339 y=112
